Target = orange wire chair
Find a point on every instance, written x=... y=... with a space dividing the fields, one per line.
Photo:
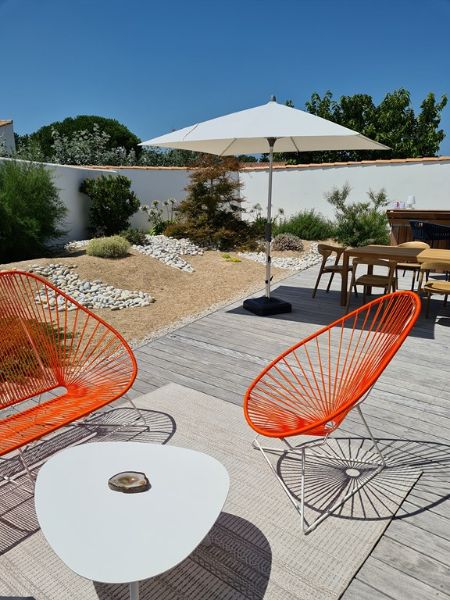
x=311 y=387
x=50 y=341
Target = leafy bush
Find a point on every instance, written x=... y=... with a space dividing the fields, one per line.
x=360 y=223
x=108 y=247
x=159 y=216
x=30 y=210
x=176 y=230
x=287 y=241
x=210 y=214
x=112 y=203
x=307 y=225
x=134 y=236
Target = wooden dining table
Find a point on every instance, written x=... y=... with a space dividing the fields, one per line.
x=396 y=253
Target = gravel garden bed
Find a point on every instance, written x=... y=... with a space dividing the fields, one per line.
x=165 y=249
x=293 y=263
x=91 y=294
x=179 y=295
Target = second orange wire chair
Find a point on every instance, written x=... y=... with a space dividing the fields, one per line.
x=311 y=387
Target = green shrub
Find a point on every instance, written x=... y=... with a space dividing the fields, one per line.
x=175 y=230
x=134 y=236
x=360 y=223
x=307 y=225
x=108 y=247
x=112 y=203
x=30 y=210
x=287 y=241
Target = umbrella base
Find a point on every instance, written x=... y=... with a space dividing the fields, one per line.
x=265 y=307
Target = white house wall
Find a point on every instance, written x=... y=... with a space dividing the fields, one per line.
x=7 y=137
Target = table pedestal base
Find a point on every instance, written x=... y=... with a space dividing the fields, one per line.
x=134 y=590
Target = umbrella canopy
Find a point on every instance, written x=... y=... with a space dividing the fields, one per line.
x=247 y=132
x=258 y=130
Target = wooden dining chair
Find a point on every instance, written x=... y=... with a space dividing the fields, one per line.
x=326 y=251
x=434 y=286
x=413 y=266
x=370 y=280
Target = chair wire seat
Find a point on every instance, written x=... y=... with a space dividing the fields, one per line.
x=49 y=341
x=311 y=387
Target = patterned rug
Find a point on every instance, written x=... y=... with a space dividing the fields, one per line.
x=256 y=549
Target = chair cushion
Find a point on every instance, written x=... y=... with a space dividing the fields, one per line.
x=336 y=268
x=437 y=287
x=374 y=280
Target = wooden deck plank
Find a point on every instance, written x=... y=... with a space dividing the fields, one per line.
x=395 y=583
x=358 y=590
x=220 y=354
x=417 y=564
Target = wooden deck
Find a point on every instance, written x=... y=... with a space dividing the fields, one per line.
x=219 y=354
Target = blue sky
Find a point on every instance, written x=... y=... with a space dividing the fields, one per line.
x=156 y=66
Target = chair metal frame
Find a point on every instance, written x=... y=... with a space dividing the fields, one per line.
x=285 y=399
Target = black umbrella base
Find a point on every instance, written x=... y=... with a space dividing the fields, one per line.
x=264 y=307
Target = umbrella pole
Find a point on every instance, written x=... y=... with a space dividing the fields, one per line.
x=268 y=227
x=267 y=305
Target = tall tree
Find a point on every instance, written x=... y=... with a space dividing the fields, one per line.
x=393 y=122
x=210 y=215
x=119 y=135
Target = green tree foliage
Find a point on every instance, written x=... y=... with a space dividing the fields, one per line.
x=119 y=136
x=88 y=148
x=210 y=213
x=360 y=223
x=392 y=122
x=158 y=157
x=30 y=210
x=112 y=203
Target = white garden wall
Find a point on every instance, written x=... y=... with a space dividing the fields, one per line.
x=155 y=183
x=303 y=187
x=294 y=188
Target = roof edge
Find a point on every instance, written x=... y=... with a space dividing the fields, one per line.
x=381 y=161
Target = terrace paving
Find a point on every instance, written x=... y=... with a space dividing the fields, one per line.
x=219 y=354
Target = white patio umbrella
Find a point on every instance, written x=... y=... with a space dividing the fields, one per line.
x=258 y=130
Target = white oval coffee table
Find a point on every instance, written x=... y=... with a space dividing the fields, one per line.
x=112 y=537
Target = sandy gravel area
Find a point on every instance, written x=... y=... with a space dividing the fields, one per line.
x=177 y=295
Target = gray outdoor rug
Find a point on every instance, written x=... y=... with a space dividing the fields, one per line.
x=256 y=549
